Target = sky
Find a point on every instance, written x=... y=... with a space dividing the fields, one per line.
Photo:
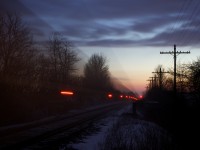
x=129 y=33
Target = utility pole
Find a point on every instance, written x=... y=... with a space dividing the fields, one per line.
x=147 y=87
x=150 y=84
x=160 y=77
x=155 y=80
x=175 y=54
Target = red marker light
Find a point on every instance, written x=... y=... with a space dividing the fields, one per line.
x=110 y=96
x=121 y=96
x=70 y=93
x=135 y=98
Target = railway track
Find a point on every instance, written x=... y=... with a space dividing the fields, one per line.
x=53 y=132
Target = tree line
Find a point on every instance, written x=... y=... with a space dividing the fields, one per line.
x=32 y=76
x=177 y=111
x=187 y=79
x=25 y=68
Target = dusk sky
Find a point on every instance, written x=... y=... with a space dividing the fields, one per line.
x=130 y=33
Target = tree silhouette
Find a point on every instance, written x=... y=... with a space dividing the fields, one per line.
x=16 y=52
x=96 y=73
x=62 y=58
x=194 y=78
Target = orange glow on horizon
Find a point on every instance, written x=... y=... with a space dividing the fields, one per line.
x=67 y=93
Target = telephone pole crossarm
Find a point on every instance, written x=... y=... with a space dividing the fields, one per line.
x=188 y=52
x=167 y=52
x=175 y=54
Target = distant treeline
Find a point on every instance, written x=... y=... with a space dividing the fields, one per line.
x=26 y=68
x=187 y=81
x=31 y=77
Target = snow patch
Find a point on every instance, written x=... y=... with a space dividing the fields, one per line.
x=91 y=142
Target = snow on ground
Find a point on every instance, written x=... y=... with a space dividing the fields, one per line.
x=123 y=130
x=92 y=141
x=130 y=133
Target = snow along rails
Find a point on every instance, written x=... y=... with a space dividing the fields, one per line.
x=51 y=131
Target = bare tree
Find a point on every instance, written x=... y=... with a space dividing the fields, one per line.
x=168 y=84
x=96 y=73
x=41 y=73
x=182 y=77
x=194 y=78
x=63 y=58
x=16 y=50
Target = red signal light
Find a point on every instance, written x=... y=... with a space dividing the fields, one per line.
x=69 y=93
x=110 y=95
x=121 y=96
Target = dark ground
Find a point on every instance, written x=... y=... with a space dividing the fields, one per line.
x=179 y=119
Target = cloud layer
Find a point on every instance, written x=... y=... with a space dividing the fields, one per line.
x=113 y=22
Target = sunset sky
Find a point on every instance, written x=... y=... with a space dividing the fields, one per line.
x=130 y=33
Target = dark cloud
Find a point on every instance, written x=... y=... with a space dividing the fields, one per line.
x=102 y=9
x=91 y=30
x=179 y=37
x=11 y=6
x=153 y=23
x=111 y=22
x=38 y=26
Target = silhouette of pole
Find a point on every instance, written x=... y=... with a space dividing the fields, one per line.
x=150 y=84
x=175 y=70
x=155 y=80
x=160 y=77
x=175 y=54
